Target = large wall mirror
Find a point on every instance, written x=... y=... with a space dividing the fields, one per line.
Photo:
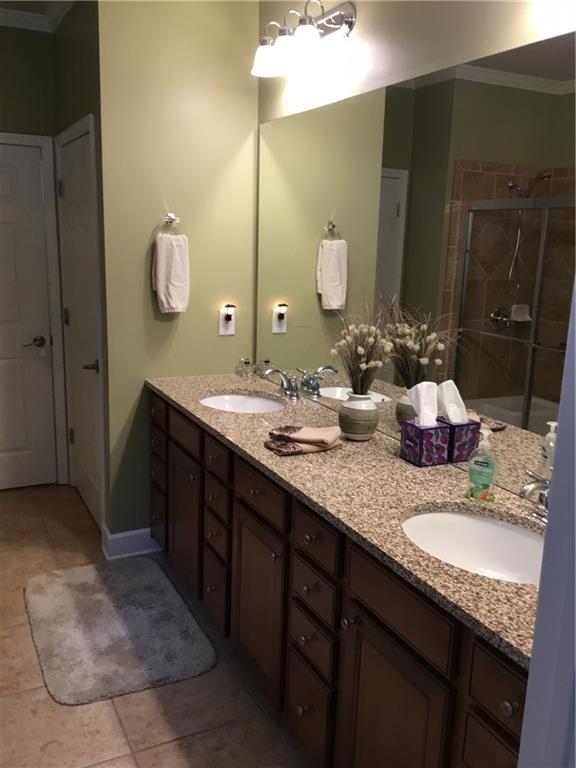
x=455 y=193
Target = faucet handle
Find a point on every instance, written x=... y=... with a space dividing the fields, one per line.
x=325 y=369
x=537 y=477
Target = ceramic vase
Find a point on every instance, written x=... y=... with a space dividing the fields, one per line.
x=358 y=417
x=404 y=409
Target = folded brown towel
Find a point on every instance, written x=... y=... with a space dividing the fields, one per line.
x=320 y=436
x=289 y=448
x=493 y=424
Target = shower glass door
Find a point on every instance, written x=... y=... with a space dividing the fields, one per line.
x=512 y=329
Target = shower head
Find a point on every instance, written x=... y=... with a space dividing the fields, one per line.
x=526 y=191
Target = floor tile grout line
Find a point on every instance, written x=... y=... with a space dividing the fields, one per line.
x=4 y=696
x=122 y=728
x=107 y=761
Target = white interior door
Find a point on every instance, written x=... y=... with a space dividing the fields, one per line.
x=27 y=419
x=391 y=236
x=82 y=302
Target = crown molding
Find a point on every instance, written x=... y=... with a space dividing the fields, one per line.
x=37 y=22
x=493 y=77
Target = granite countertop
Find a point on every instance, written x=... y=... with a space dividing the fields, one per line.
x=366 y=490
x=515 y=450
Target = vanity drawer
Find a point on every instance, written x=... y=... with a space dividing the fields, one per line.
x=317 y=539
x=498 y=689
x=216 y=497
x=216 y=534
x=307 y=710
x=158 y=443
x=185 y=433
x=158 y=411
x=312 y=642
x=158 y=473
x=261 y=493
x=429 y=631
x=217 y=458
x=317 y=593
x=214 y=591
x=482 y=747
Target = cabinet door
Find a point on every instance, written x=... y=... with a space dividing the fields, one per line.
x=158 y=517
x=392 y=711
x=185 y=514
x=258 y=599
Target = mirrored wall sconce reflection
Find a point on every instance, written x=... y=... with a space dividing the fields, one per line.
x=280 y=318
x=227 y=320
x=292 y=46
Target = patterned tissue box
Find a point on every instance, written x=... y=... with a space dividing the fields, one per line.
x=464 y=439
x=424 y=446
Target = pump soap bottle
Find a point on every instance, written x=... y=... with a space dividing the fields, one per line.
x=481 y=471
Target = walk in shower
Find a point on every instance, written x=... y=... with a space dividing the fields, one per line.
x=516 y=289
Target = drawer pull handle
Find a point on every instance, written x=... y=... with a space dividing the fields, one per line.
x=275 y=556
x=304 y=640
x=154 y=474
x=347 y=623
x=211 y=535
x=155 y=518
x=152 y=411
x=211 y=497
x=192 y=478
x=211 y=459
x=210 y=590
x=508 y=708
x=254 y=491
x=154 y=443
x=307 y=589
x=310 y=538
x=301 y=710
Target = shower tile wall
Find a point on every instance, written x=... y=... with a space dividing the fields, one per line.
x=495 y=365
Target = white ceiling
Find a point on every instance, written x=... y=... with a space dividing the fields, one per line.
x=29 y=14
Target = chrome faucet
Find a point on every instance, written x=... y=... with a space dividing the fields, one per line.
x=310 y=380
x=542 y=485
x=289 y=383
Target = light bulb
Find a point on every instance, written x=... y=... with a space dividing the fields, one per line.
x=267 y=62
x=306 y=34
x=284 y=46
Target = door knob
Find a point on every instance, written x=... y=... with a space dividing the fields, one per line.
x=95 y=366
x=37 y=341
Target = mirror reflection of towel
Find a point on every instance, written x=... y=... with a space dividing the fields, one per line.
x=171 y=273
x=332 y=273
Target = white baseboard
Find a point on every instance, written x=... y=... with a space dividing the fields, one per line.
x=128 y=543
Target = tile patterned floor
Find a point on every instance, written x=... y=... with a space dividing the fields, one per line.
x=211 y=721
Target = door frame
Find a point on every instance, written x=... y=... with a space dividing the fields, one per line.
x=87 y=126
x=46 y=146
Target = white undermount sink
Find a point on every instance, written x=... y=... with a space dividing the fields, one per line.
x=484 y=545
x=242 y=403
x=341 y=393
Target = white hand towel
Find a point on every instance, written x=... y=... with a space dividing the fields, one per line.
x=451 y=404
x=332 y=273
x=171 y=273
x=424 y=402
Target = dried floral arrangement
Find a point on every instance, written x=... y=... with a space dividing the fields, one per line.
x=414 y=343
x=362 y=351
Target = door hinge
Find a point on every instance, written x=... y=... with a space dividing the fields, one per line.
x=66 y=315
x=71 y=436
x=60 y=188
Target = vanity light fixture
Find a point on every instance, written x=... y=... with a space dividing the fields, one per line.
x=275 y=56
x=279 y=318
x=227 y=320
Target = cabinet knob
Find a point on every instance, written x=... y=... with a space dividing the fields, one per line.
x=211 y=459
x=347 y=623
x=310 y=538
x=192 y=478
x=274 y=556
x=211 y=535
x=154 y=474
x=254 y=491
x=211 y=497
x=307 y=589
x=155 y=518
x=508 y=708
x=210 y=590
x=301 y=710
x=154 y=443
x=303 y=640
x=152 y=411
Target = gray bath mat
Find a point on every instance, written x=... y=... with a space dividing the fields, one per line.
x=113 y=628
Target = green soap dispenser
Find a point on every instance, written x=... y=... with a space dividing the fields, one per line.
x=481 y=471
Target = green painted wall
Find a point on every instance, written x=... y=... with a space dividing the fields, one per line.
x=398 y=128
x=179 y=132
x=27 y=81
x=319 y=165
x=76 y=65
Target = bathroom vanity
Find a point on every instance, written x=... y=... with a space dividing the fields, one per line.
x=374 y=652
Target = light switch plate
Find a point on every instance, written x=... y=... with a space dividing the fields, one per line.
x=279 y=325
x=226 y=328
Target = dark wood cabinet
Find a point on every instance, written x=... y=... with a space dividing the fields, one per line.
x=185 y=517
x=159 y=517
x=392 y=710
x=258 y=599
